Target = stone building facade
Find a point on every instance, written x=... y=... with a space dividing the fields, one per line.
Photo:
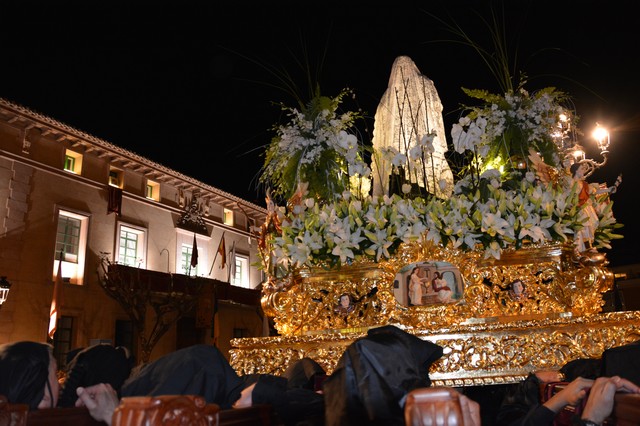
x=62 y=190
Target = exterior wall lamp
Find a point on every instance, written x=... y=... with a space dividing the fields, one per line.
x=5 y=286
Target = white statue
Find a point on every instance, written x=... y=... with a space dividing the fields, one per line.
x=409 y=122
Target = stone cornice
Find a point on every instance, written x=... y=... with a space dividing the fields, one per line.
x=26 y=119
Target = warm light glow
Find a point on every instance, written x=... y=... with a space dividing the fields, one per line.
x=518 y=162
x=557 y=135
x=578 y=153
x=497 y=163
x=601 y=135
x=562 y=133
x=563 y=120
x=4 y=289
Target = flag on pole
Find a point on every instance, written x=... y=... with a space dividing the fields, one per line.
x=56 y=301
x=223 y=255
x=222 y=251
x=194 y=252
x=232 y=262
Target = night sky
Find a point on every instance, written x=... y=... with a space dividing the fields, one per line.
x=195 y=85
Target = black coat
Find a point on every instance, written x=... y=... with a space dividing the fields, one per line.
x=375 y=374
x=195 y=370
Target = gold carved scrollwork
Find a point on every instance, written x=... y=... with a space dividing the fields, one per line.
x=497 y=332
x=308 y=301
x=311 y=302
x=473 y=354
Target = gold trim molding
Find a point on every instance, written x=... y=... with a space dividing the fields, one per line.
x=556 y=283
x=490 y=352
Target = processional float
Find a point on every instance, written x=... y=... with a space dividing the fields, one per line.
x=498 y=264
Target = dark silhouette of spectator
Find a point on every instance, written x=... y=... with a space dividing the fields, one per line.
x=100 y=363
x=28 y=374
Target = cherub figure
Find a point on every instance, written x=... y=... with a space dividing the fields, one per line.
x=586 y=235
x=517 y=290
x=544 y=172
x=345 y=306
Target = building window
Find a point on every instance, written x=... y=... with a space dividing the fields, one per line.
x=153 y=190
x=71 y=240
x=241 y=276
x=128 y=248
x=115 y=177
x=227 y=217
x=73 y=162
x=68 y=238
x=69 y=162
x=184 y=252
x=185 y=262
x=63 y=340
x=131 y=248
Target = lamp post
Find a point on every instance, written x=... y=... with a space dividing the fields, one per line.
x=4 y=289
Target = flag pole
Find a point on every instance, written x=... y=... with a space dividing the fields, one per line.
x=214 y=262
x=56 y=300
x=232 y=262
x=216 y=255
x=194 y=255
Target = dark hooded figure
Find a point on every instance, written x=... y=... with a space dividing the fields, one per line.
x=195 y=370
x=368 y=386
x=374 y=375
x=96 y=364
x=304 y=373
x=24 y=372
x=203 y=370
x=623 y=361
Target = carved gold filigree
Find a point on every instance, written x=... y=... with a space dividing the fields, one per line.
x=494 y=351
x=490 y=336
x=307 y=301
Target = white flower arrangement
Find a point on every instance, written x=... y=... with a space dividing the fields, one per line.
x=495 y=203
x=315 y=148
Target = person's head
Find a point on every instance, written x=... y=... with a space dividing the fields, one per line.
x=437 y=275
x=29 y=374
x=100 y=363
x=577 y=170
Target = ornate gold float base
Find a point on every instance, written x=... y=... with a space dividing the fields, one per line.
x=536 y=307
x=552 y=280
x=481 y=352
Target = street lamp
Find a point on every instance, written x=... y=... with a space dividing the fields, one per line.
x=4 y=289
x=601 y=135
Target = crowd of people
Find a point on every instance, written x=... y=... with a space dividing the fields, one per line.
x=368 y=386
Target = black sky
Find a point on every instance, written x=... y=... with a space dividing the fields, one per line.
x=185 y=84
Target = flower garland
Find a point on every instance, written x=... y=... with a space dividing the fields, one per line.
x=496 y=203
